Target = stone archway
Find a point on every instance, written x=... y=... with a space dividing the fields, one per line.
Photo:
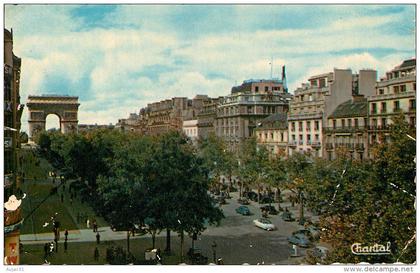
x=65 y=107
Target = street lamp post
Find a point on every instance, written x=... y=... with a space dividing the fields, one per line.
x=213 y=246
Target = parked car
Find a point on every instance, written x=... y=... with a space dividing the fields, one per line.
x=264 y=224
x=319 y=252
x=287 y=216
x=244 y=210
x=305 y=232
x=266 y=199
x=243 y=201
x=251 y=195
x=299 y=239
x=270 y=209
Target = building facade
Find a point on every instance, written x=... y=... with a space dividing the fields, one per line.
x=316 y=100
x=12 y=169
x=395 y=93
x=239 y=113
x=190 y=129
x=346 y=131
x=273 y=134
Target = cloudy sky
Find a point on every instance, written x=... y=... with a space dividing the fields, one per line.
x=118 y=58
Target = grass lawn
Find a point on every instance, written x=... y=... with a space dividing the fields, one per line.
x=38 y=189
x=83 y=252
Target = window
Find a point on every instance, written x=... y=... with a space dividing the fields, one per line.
x=343 y=123
x=249 y=109
x=349 y=122
x=300 y=126
x=383 y=109
x=381 y=91
x=334 y=124
x=413 y=121
x=317 y=125
x=396 y=89
x=365 y=122
x=293 y=137
x=281 y=137
x=373 y=108
x=317 y=137
x=266 y=89
x=301 y=139
x=265 y=136
x=412 y=105
x=313 y=82
x=356 y=123
x=383 y=122
x=308 y=126
x=308 y=139
x=260 y=135
x=402 y=88
x=302 y=97
x=293 y=126
x=375 y=122
x=396 y=106
x=322 y=83
x=256 y=89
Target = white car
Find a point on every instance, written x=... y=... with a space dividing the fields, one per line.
x=264 y=224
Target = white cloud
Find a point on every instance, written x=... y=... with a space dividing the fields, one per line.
x=146 y=61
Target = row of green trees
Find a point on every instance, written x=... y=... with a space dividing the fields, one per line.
x=164 y=181
x=364 y=202
x=153 y=182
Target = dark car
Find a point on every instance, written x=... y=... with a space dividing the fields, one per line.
x=251 y=195
x=243 y=201
x=244 y=210
x=287 y=216
x=299 y=240
x=266 y=199
x=269 y=209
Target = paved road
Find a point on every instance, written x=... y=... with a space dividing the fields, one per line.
x=238 y=240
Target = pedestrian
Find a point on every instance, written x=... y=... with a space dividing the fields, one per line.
x=65 y=246
x=46 y=248
x=96 y=254
x=87 y=223
x=98 y=238
x=66 y=234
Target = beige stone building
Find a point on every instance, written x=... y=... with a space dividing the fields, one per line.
x=206 y=118
x=313 y=102
x=272 y=133
x=12 y=113
x=190 y=129
x=395 y=93
x=346 y=130
x=239 y=113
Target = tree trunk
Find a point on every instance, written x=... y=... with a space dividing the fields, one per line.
x=128 y=241
x=279 y=198
x=168 y=241
x=240 y=189
x=229 y=185
x=182 y=246
x=258 y=193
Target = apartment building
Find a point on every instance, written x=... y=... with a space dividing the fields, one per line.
x=248 y=104
x=314 y=101
x=346 y=131
x=272 y=133
x=395 y=93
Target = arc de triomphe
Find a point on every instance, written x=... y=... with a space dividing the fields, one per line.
x=39 y=107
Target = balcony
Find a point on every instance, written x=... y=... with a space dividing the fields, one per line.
x=315 y=144
x=345 y=129
x=360 y=146
x=379 y=128
x=293 y=143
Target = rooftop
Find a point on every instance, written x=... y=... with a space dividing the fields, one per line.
x=351 y=108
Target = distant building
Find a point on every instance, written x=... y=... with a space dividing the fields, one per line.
x=130 y=124
x=395 y=93
x=206 y=118
x=88 y=127
x=12 y=166
x=190 y=128
x=316 y=100
x=272 y=133
x=248 y=104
